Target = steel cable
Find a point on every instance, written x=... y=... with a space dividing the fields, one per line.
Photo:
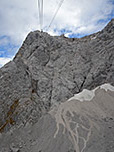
x=60 y=4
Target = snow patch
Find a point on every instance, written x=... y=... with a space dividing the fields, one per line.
x=107 y=87
x=88 y=95
x=84 y=95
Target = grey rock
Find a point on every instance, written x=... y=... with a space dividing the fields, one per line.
x=14 y=149
x=45 y=72
x=72 y=126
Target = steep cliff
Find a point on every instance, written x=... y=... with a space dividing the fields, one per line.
x=46 y=72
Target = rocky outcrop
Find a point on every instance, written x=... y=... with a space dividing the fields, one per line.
x=49 y=70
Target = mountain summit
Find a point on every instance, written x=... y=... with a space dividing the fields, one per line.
x=41 y=108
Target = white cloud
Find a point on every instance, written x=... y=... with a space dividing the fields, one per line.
x=4 y=41
x=3 y=61
x=19 y=17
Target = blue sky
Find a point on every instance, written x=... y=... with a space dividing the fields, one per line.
x=76 y=18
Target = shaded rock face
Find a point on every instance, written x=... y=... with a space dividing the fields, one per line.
x=49 y=70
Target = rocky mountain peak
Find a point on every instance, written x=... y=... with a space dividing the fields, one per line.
x=37 y=39
x=48 y=70
x=44 y=102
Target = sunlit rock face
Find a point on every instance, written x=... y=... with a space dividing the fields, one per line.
x=50 y=73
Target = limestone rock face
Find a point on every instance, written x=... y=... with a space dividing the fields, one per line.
x=47 y=71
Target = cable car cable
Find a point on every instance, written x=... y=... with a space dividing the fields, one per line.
x=60 y=4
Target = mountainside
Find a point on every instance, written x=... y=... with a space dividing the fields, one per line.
x=35 y=90
x=84 y=123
